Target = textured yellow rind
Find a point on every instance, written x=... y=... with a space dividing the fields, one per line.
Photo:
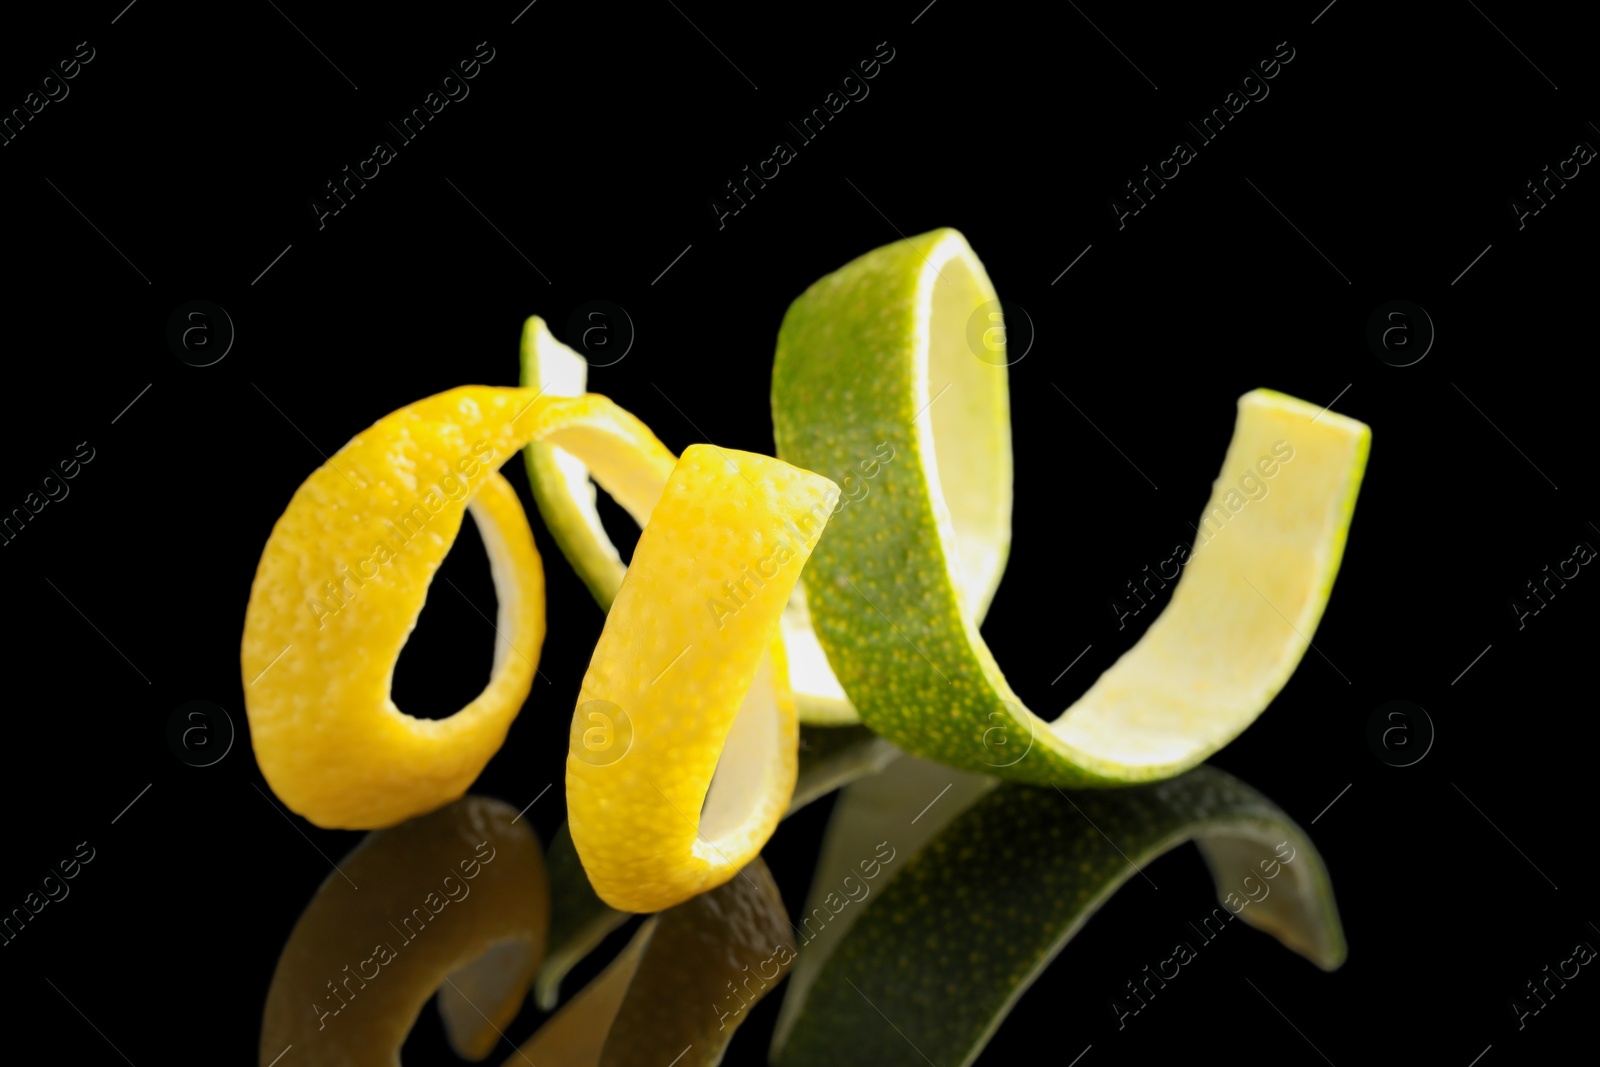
x=344 y=576
x=566 y=499
x=693 y=629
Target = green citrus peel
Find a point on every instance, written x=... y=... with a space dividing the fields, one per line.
x=876 y=357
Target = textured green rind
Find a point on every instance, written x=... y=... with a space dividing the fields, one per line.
x=951 y=943
x=846 y=349
x=878 y=585
x=830 y=757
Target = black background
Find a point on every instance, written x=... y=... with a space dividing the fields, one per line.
x=1394 y=141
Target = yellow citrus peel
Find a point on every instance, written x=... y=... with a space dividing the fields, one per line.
x=683 y=754
x=566 y=499
x=346 y=570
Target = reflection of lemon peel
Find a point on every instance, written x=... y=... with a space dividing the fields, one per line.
x=691 y=654
x=829 y=758
x=580 y=920
x=343 y=578
x=566 y=499
x=576 y=1035
x=653 y=996
x=466 y=890
x=877 y=350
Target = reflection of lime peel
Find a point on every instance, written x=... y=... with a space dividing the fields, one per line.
x=1024 y=869
x=566 y=498
x=893 y=587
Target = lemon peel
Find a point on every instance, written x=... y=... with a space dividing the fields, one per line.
x=343 y=578
x=693 y=760
x=566 y=498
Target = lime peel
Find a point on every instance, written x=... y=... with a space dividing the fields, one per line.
x=877 y=351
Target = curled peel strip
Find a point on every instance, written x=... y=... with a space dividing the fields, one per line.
x=344 y=575
x=649 y=732
x=566 y=497
x=898 y=587
x=340 y=586
x=561 y=482
x=710 y=761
